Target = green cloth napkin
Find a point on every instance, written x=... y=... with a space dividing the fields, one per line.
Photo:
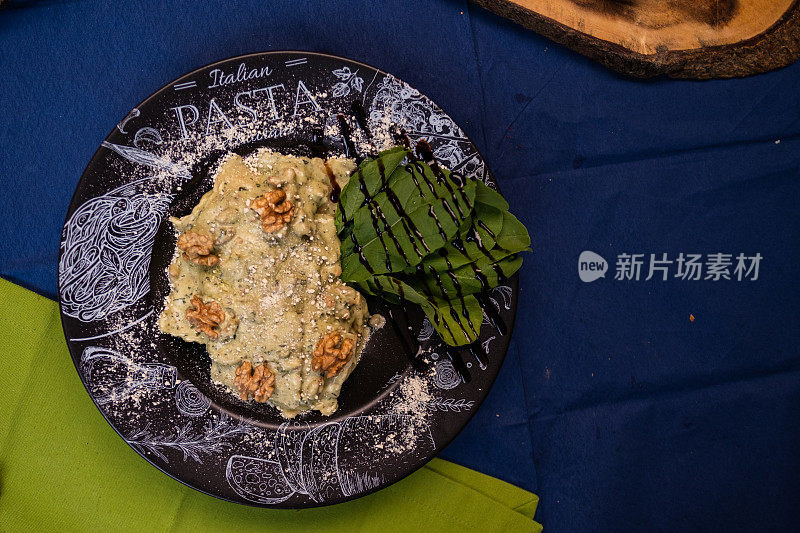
x=62 y=467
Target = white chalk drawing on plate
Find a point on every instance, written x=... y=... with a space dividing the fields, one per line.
x=485 y=344
x=455 y=405
x=330 y=461
x=133 y=114
x=146 y=136
x=105 y=251
x=445 y=375
x=426 y=331
x=350 y=80
x=112 y=377
x=392 y=380
x=190 y=401
x=142 y=157
x=398 y=103
x=213 y=438
x=505 y=293
x=114 y=332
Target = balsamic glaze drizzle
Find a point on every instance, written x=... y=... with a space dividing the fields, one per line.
x=358 y=111
x=458 y=363
x=459 y=292
x=335 y=189
x=347 y=133
x=477 y=352
x=401 y=332
x=415 y=236
x=375 y=211
x=408 y=224
x=427 y=153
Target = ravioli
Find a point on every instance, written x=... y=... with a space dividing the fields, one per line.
x=255 y=278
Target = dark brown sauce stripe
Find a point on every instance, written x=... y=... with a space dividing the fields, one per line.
x=335 y=189
x=501 y=278
x=414 y=234
x=459 y=291
x=453 y=313
x=487 y=230
x=360 y=253
x=408 y=348
x=419 y=168
x=474 y=236
x=427 y=154
x=410 y=169
x=374 y=212
x=435 y=217
x=445 y=203
x=458 y=363
x=481 y=277
x=317 y=144
x=358 y=111
x=477 y=352
x=347 y=133
x=495 y=320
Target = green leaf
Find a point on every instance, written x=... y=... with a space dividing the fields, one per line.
x=424 y=240
x=450 y=257
x=487 y=223
x=447 y=316
x=467 y=276
x=450 y=322
x=401 y=225
x=488 y=196
x=368 y=171
x=514 y=236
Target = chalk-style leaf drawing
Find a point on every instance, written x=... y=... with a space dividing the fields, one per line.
x=342 y=73
x=214 y=437
x=341 y=89
x=350 y=80
x=451 y=404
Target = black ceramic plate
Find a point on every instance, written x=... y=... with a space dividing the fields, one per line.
x=155 y=390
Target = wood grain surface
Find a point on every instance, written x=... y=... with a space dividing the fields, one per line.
x=678 y=38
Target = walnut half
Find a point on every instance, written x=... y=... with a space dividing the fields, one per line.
x=258 y=382
x=197 y=249
x=205 y=318
x=330 y=356
x=275 y=210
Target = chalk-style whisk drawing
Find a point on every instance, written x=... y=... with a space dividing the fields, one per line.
x=143 y=157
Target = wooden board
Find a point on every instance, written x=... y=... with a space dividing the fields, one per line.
x=698 y=39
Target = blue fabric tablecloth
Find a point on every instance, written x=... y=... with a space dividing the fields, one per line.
x=622 y=411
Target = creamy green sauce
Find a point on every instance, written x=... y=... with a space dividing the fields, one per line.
x=283 y=288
